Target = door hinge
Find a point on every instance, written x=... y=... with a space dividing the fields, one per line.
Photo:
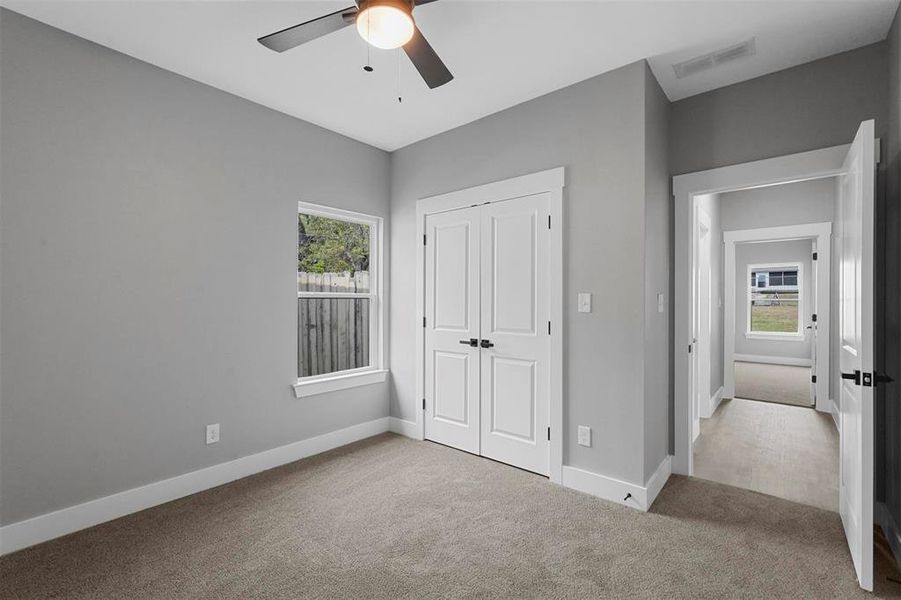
x=423 y=404
x=814 y=318
x=423 y=239
x=549 y=328
x=813 y=379
x=548 y=434
x=814 y=256
x=423 y=321
x=689 y=348
x=549 y=221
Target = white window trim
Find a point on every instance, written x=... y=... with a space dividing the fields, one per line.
x=377 y=371
x=796 y=336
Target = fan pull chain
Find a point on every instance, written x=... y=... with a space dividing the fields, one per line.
x=368 y=66
x=397 y=74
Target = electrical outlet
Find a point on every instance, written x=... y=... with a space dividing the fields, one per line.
x=212 y=433
x=584 y=435
x=661 y=303
x=584 y=302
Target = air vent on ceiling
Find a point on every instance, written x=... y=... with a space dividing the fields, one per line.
x=715 y=58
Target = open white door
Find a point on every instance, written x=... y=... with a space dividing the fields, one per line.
x=855 y=254
x=452 y=329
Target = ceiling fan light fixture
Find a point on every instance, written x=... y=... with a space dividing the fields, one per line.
x=386 y=24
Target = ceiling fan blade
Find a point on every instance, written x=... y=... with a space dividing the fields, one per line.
x=310 y=30
x=426 y=61
x=418 y=2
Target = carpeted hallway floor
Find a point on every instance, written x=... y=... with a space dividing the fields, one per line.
x=773 y=383
x=389 y=517
x=784 y=451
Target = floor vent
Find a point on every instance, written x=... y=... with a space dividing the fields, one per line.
x=715 y=58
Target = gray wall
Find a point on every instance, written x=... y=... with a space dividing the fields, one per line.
x=774 y=206
x=811 y=106
x=888 y=405
x=148 y=287
x=798 y=251
x=658 y=243
x=596 y=130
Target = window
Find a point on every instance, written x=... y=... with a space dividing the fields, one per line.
x=774 y=301
x=339 y=308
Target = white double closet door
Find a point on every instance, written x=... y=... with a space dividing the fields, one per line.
x=486 y=341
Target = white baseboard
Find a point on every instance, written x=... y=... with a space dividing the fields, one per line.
x=891 y=529
x=774 y=360
x=714 y=402
x=659 y=478
x=833 y=409
x=16 y=536
x=614 y=490
x=403 y=427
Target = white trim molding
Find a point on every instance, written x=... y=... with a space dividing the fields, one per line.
x=715 y=400
x=615 y=490
x=550 y=181
x=341 y=380
x=403 y=427
x=816 y=164
x=42 y=528
x=773 y=360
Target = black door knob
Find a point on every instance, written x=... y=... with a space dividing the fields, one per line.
x=487 y=344
x=470 y=342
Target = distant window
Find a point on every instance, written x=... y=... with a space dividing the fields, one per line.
x=774 y=300
x=337 y=292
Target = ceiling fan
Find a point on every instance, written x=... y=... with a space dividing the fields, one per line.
x=385 y=24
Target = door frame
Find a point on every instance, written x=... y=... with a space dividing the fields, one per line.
x=821 y=233
x=702 y=405
x=551 y=182
x=815 y=164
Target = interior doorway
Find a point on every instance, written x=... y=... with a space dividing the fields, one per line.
x=850 y=170
x=779 y=294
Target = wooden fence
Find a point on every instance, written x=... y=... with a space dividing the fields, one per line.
x=333 y=333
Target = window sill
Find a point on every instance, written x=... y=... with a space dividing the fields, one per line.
x=334 y=383
x=777 y=337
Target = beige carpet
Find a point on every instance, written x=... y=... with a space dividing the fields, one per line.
x=393 y=518
x=785 y=451
x=773 y=383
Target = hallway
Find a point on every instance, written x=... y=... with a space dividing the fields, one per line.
x=785 y=451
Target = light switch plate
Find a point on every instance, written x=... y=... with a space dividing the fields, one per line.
x=661 y=303
x=584 y=302
x=584 y=435
x=212 y=433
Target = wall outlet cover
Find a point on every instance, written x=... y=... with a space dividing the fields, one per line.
x=584 y=435
x=212 y=433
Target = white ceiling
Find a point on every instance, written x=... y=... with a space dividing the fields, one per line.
x=501 y=53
